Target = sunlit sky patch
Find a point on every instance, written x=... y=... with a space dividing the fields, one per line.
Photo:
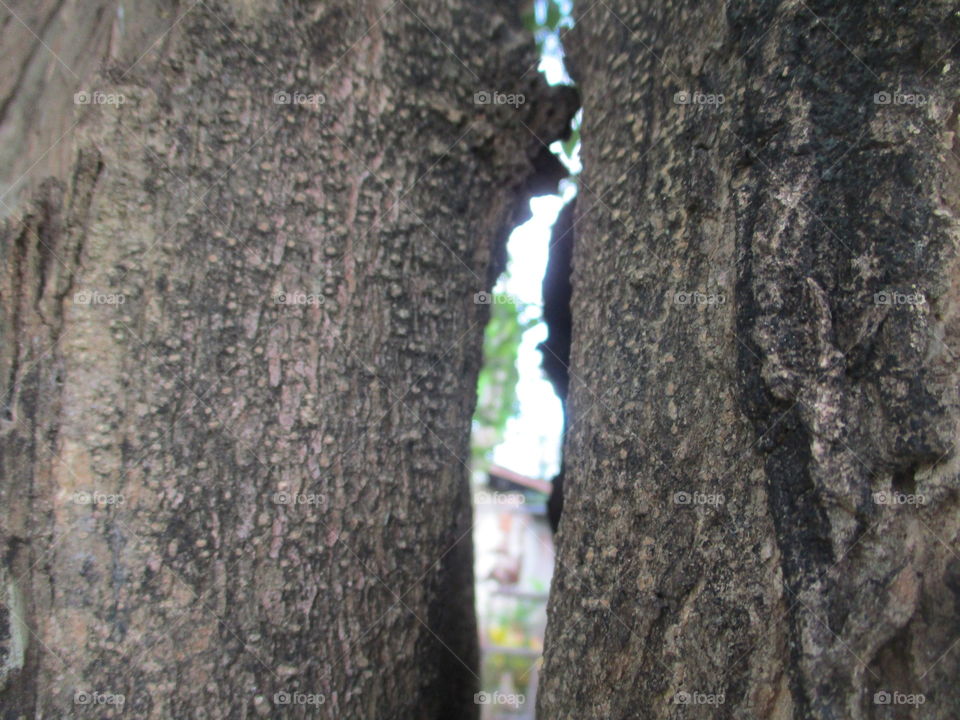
x=532 y=439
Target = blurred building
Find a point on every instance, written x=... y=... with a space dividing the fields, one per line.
x=514 y=565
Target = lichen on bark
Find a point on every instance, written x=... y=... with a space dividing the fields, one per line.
x=746 y=379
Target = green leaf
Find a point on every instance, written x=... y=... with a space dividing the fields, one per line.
x=554 y=15
x=530 y=20
x=570 y=144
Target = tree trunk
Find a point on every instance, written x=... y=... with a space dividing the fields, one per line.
x=240 y=347
x=761 y=510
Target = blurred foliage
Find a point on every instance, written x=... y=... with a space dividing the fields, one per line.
x=495 y=666
x=518 y=627
x=547 y=16
x=497 y=385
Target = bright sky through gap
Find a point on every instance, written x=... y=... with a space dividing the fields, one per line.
x=531 y=444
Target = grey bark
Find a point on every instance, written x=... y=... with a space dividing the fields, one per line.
x=247 y=478
x=800 y=393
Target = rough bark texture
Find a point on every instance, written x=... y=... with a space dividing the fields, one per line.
x=247 y=477
x=723 y=553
